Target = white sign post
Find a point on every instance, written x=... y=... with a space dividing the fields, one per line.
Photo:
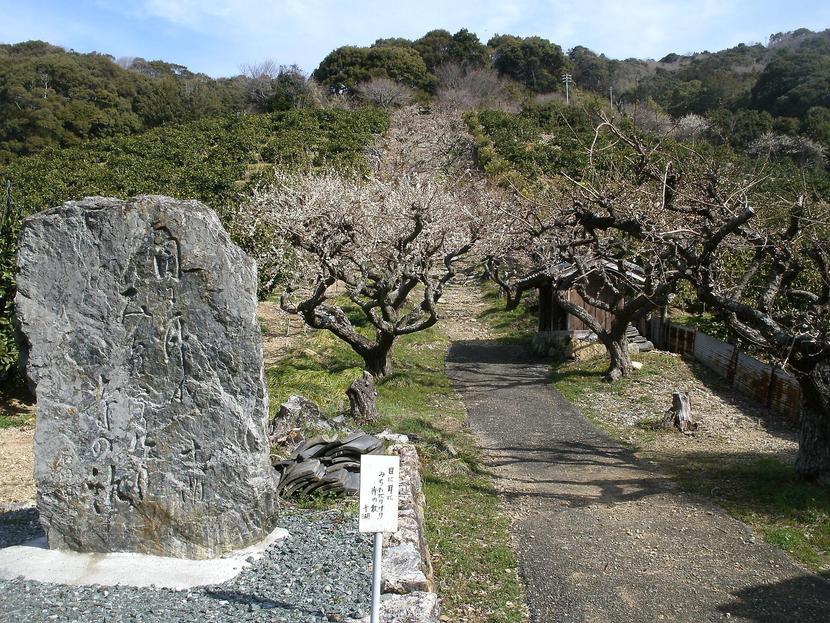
x=379 y=479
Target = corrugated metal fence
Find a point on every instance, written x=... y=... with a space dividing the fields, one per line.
x=769 y=385
x=716 y=355
x=679 y=339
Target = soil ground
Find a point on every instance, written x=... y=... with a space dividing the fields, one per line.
x=17 y=486
x=726 y=422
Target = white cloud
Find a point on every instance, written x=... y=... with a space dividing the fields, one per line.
x=641 y=29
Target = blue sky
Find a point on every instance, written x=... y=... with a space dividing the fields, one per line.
x=217 y=36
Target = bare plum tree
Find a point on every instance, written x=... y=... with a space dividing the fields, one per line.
x=772 y=286
x=392 y=244
x=466 y=88
x=260 y=82
x=624 y=235
x=384 y=92
x=758 y=258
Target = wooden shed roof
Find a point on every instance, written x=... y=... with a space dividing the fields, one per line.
x=563 y=270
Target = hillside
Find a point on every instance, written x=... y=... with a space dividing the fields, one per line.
x=53 y=97
x=783 y=86
x=215 y=160
x=81 y=124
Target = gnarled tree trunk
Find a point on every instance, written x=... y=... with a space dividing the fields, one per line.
x=620 y=359
x=813 y=459
x=378 y=363
x=362 y=396
x=377 y=357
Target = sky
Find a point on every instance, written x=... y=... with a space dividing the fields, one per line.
x=217 y=37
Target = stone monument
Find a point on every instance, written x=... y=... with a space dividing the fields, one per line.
x=139 y=322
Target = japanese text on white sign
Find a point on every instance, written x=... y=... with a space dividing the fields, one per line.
x=379 y=476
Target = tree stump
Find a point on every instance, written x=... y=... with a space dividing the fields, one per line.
x=362 y=395
x=680 y=413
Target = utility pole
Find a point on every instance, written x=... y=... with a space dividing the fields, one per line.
x=568 y=79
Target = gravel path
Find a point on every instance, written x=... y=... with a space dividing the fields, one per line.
x=600 y=536
x=322 y=573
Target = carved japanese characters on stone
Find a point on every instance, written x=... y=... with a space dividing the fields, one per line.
x=139 y=321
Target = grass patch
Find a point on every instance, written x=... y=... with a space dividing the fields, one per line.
x=475 y=568
x=320 y=368
x=518 y=324
x=577 y=378
x=760 y=490
x=15 y=421
x=766 y=494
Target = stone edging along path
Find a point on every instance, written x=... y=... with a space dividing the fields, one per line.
x=408 y=593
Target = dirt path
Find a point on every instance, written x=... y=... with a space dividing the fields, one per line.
x=600 y=536
x=17 y=485
x=460 y=307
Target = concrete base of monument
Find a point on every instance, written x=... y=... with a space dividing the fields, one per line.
x=34 y=561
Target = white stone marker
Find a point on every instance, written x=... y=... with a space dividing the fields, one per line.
x=379 y=483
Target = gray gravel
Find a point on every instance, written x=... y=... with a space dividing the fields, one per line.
x=322 y=573
x=19 y=525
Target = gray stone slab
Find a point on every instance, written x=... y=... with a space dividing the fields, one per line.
x=316 y=447
x=342 y=460
x=403 y=569
x=413 y=608
x=139 y=320
x=365 y=444
x=303 y=471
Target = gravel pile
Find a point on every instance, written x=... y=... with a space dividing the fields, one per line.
x=322 y=573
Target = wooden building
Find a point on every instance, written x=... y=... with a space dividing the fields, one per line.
x=553 y=318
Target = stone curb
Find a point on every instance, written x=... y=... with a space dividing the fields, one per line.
x=411 y=608
x=407 y=586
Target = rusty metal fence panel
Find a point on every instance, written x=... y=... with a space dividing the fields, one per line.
x=654 y=331
x=753 y=378
x=680 y=339
x=768 y=385
x=785 y=395
x=716 y=355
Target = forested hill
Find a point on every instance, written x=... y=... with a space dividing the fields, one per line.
x=783 y=86
x=53 y=97
x=50 y=96
x=786 y=78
